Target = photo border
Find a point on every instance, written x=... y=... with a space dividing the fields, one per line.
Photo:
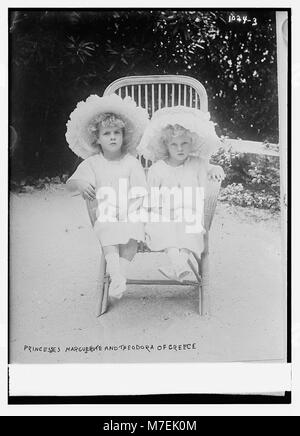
x=172 y=398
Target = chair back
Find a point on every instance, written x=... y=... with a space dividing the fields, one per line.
x=159 y=91
x=155 y=92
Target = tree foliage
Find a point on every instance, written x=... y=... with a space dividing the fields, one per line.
x=61 y=57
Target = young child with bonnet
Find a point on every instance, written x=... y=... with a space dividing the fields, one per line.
x=105 y=132
x=179 y=141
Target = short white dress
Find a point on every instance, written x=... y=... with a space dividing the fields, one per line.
x=104 y=173
x=185 y=227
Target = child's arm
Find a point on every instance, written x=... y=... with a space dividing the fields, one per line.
x=135 y=203
x=214 y=172
x=86 y=189
x=83 y=181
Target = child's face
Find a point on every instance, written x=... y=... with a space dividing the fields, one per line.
x=179 y=148
x=111 y=139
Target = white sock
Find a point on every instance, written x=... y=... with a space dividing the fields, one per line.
x=124 y=266
x=118 y=280
x=113 y=264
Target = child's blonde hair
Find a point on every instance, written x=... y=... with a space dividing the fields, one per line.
x=171 y=131
x=107 y=120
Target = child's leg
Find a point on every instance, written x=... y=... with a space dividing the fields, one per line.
x=118 y=281
x=127 y=253
x=111 y=253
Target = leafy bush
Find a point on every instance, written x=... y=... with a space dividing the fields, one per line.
x=251 y=179
x=237 y=195
x=61 y=57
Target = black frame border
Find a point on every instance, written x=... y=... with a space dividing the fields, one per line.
x=185 y=398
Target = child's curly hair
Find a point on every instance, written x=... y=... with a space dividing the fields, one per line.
x=105 y=120
x=171 y=131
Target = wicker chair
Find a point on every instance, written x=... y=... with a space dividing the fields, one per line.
x=155 y=92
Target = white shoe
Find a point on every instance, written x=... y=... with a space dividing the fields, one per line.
x=182 y=271
x=184 y=274
x=117 y=287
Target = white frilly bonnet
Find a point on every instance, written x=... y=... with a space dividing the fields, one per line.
x=81 y=126
x=205 y=143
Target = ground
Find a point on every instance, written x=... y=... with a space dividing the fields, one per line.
x=54 y=257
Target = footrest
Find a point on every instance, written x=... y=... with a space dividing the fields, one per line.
x=162 y=282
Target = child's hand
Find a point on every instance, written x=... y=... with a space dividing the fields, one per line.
x=86 y=190
x=216 y=173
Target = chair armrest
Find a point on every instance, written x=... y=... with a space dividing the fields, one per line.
x=210 y=201
x=91 y=208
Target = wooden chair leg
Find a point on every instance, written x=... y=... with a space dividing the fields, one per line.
x=200 y=280
x=200 y=300
x=197 y=272
x=205 y=284
x=101 y=285
x=204 y=271
x=200 y=286
x=105 y=295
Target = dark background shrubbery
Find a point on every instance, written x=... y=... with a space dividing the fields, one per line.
x=58 y=58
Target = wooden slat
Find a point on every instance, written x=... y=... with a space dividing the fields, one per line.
x=179 y=94
x=166 y=95
x=184 y=95
x=191 y=97
x=146 y=97
x=152 y=99
x=173 y=93
x=126 y=91
x=139 y=95
x=132 y=92
x=159 y=96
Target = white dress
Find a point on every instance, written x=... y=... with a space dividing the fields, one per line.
x=104 y=173
x=185 y=227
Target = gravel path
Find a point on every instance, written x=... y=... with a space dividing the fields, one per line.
x=53 y=270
